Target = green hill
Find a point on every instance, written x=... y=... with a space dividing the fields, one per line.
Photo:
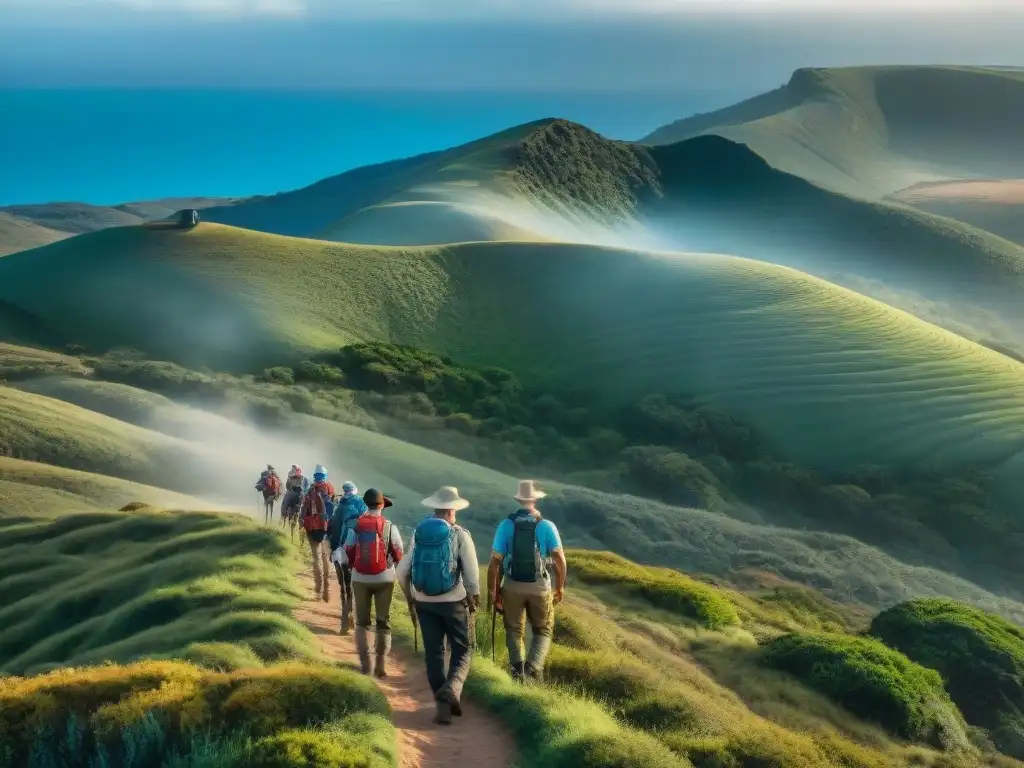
x=830 y=376
x=558 y=181
x=869 y=131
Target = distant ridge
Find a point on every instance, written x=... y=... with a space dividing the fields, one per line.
x=869 y=131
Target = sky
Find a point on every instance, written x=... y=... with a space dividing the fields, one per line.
x=734 y=45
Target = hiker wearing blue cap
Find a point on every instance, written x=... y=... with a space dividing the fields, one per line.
x=346 y=511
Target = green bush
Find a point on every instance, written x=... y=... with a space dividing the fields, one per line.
x=980 y=656
x=873 y=682
x=279 y=375
x=319 y=373
x=660 y=587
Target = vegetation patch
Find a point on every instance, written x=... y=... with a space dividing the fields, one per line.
x=660 y=587
x=873 y=682
x=978 y=654
x=174 y=713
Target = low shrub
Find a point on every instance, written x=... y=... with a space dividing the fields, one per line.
x=873 y=682
x=147 y=712
x=979 y=655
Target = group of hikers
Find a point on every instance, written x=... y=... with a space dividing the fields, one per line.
x=439 y=576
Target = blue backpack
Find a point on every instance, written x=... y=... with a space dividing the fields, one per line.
x=435 y=557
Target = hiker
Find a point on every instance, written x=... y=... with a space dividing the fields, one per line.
x=524 y=545
x=297 y=479
x=317 y=506
x=292 y=500
x=440 y=578
x=269 y=485
x=348 y=508
x=373 y=546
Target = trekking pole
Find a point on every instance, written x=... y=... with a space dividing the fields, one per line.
x=494 y=613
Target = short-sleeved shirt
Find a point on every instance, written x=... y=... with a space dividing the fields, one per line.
x=548 y=540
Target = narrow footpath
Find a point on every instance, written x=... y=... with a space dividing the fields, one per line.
x=476 y=739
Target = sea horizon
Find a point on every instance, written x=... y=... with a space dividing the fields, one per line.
x=107 y=146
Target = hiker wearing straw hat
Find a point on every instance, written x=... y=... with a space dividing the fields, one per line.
x=440 y=577
x=519 y=580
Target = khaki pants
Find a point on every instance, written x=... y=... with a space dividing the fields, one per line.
x=321 y=552
x=532 y=601
x=378 y=594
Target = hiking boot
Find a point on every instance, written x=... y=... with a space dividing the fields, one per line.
x=456 y=709
x=363 y=648
x=444 y=712
x=517 y=672
x=346 y=625
x=534 y=675
x=378 y=668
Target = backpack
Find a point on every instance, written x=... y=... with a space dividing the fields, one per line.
x=435 y=557
x=314 y=512
x=349 y=508
x=525 y=564
x=373 y=542
x=271 y=484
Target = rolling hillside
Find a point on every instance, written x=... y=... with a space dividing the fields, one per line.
x=832 y=377
x=558 y=181
x=29 y=226
x=996 y=205
x=17 y=234
x=870 y=131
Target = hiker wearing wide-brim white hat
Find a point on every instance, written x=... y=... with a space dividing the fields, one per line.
x=440 y=577
x=445 y=497
x=528 y=492
x=519 y=580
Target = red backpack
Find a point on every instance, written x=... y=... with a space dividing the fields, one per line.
x=271 y=485
x=314 y=513
x=373 y=542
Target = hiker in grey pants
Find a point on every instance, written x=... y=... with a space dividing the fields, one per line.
x=446 y=561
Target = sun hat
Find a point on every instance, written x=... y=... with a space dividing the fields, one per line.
x=445 y=497
x=527 y=491
x=373 y=497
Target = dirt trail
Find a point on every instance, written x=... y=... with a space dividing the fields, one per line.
x=476 y=738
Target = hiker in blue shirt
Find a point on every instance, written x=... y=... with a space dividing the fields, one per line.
x=519 y=580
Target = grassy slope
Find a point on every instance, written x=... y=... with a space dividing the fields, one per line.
x=210 y=589
x=870 y=131
x=833 y=377
x=18 y=234
x=33 y=489
x=72 y=218
x=119 y=586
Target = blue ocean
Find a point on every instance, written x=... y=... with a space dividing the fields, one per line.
x=114 y=146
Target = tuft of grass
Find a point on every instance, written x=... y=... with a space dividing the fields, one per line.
x=875 y=683
x=660 y=587
x=979 y=655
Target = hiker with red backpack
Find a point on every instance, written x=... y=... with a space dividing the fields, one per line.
x=317 y=507
x=519 y=580
x=440 y=577
x=269 y=485
x=373 y=546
